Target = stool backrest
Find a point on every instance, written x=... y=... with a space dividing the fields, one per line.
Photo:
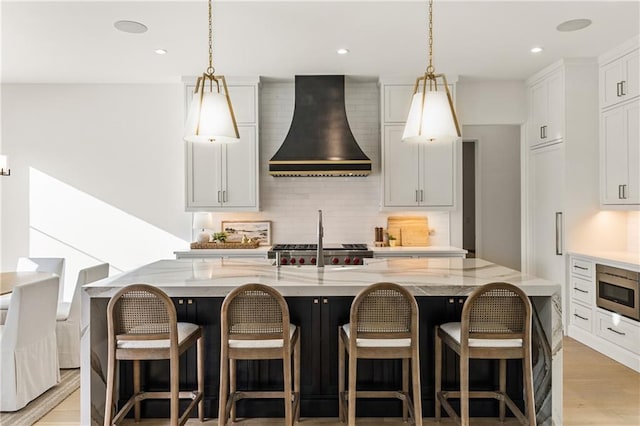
x=384 y=310
x=142 y=312
x=496 y=311
x=254 y=312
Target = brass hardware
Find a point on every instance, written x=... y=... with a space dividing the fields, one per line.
x=316 y=301
x=460 y=301
x=451 y=301
x=325 y=300
x=189 y=301
x=180 y=302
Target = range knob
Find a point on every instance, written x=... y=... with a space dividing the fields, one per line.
x=301 y=261
x=293 y=261
x=356 y=261
x=284 y=261
x=313 y=260
x=347 y=260
x=335 y=260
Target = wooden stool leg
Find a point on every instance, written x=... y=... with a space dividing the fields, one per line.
x=464 y=388
x=232 y=387
x=405 y=388
x=503 y=387
x=353 y=370
x=415 y=380
x=174 y=367
x=111 y=378
x=136 y=387
x=288 y=406
x=438 y=374
x=200 y=356
x=529 y=398
x=341 y=356
x=296 y=377
x=224 y=388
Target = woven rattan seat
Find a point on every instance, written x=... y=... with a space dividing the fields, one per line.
x=495 y=324
x=383 y=325
x=142 y=325
x=255 y=325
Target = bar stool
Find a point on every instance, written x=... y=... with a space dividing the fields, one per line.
x=495 y=324
x=383 y=325
x=255 y=325
x=142 y=325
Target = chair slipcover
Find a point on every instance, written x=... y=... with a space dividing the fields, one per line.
x=28 y=355
x=54 y=265
x=69 y=317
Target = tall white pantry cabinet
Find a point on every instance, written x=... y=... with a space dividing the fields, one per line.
x=224 y=177
x=560 y=161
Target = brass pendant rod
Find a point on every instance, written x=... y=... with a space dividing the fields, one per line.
x=210 y=70
x=430 y=68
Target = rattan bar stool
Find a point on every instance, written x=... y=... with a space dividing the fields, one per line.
x=383 y=325
x=142 y=325
x=255 y=325
x=495 y=324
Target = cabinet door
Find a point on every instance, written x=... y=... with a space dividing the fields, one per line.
x=555 y=108
x=401 y=173
x=538 y=113
x=619 y=155
x=239 y=174
x=204 y=186
x=397 y=100
x=436 y=174
x=546 y=192
x=620 y=79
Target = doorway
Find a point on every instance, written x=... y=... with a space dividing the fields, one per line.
x=469 y=197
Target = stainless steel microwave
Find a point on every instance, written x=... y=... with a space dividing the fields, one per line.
x=618 y=291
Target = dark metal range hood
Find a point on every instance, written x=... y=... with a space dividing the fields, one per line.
x=319 y=142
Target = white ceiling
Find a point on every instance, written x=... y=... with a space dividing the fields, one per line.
x=75 y=41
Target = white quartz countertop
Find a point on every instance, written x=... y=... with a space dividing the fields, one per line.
x=207 y=277
x=621 y=258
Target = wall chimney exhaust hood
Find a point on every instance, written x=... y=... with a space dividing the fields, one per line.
x=319 y=142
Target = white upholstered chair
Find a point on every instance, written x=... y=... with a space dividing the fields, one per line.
x=54 y=265
x=28 y=355
x=69 y=317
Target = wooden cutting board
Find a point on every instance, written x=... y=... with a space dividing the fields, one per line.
x=410 y=231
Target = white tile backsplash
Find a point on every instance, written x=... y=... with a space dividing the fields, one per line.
x=350 y=205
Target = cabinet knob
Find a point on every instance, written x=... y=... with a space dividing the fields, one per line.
x=316 y=301
x=325 y=300
x=180 y=302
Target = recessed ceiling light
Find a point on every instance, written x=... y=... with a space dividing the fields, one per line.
x=536 y=49
x=132 y=27
x=161 y=51
x=573 y=25
x=342 y=51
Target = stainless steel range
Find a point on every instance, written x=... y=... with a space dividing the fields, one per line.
x=307 y=254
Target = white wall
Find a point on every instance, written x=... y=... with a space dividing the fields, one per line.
x=97 y=174
x=491 y=102
x=497 y=192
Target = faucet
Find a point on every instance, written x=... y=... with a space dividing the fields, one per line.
x=320 y=253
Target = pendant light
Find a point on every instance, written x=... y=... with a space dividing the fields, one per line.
x=211 y=117
x=431 y=116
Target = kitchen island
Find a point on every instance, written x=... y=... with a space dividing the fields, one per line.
x=319 y=300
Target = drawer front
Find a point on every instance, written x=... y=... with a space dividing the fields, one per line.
x=616 y=330
x=582 y=290
x=582 y=267
x=581 y=316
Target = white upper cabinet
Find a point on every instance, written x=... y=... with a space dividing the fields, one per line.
x=620 y=79
x=414 y=175
x=620 y=155
x=224 y=177
x=546 y=108
x=620 y=127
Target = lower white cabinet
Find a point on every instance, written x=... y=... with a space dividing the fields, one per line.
x=607 y=332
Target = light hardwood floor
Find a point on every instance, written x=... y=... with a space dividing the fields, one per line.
x=597 y=391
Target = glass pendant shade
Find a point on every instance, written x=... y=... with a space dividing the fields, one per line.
x=211 y=118
x=430 y=118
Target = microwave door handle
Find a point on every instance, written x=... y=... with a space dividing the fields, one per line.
x=559 y=234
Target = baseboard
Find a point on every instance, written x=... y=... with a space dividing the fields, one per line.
x=605 y=347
